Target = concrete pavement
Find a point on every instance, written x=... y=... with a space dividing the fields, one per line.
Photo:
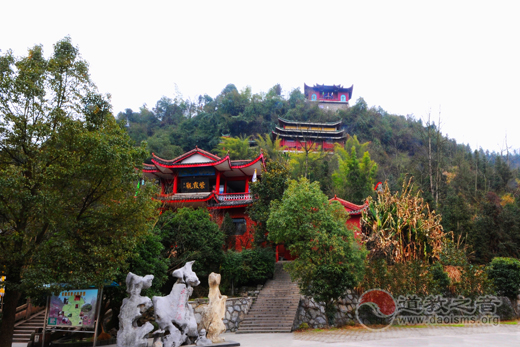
x=436 y=336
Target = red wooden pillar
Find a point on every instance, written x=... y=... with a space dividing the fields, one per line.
x=247 y=184
x=218 y=182
x=175 y=183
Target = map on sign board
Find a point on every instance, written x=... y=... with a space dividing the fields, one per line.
x=73 y=308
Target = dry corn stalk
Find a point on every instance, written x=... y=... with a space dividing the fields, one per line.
x=401 y=226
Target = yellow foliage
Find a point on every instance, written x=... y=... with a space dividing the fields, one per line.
x=507 y=199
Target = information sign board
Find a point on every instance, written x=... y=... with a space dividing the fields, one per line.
x=73 y=308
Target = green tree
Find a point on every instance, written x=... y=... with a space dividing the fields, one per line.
x=328 y=261
x=237 y=147
x=248 y=267
x=496 y=232
x=272 y=150
x=505 y=273
x=228 y=228
x=354 y=180
x=160 y=145
x=270 y=188
x=190 y=234
x=68 y=213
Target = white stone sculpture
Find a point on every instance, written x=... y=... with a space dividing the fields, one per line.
x=216 y=310
x=129 y=334
x=173 y=313
x=203 y=340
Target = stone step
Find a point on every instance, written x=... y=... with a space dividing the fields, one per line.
x=266 y=327
x=266 y=309
x=267 y=315
x=265 y=323
x=274 y=308
x=25 y=327
x=275 y=299
x=261 y=331
x=279 y=296
x=33 y=326
x=275 y=305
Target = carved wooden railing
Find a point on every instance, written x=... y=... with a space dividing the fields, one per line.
x=234 y=196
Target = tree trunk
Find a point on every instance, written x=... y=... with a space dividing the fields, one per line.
x=430 y=156
x=11 y=298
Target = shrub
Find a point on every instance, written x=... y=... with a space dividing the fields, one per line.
x=191 y=234
x=410 y=277
x=505 y=274
x=419 y=278
x=303 y=326
x=474 y=281
x=440 y=280
x=248 y=267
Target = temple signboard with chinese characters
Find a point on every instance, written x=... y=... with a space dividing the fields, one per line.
x=194 y=185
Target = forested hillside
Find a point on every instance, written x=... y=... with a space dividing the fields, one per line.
x=475 y=191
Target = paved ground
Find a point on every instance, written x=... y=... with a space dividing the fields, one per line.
x=437 y=336
x=503 y=335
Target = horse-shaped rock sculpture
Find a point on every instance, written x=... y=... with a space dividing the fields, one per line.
x=173 y=313
x=129 y=334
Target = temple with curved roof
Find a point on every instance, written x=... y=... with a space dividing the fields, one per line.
x=201 y=179
x=332 y=97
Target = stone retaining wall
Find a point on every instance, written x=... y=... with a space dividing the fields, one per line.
x=236 y=309
x=313 y=313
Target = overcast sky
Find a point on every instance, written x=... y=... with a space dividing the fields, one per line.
x=459 y=58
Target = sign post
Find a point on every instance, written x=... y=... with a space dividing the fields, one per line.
x=100 y=299
x=2 y=293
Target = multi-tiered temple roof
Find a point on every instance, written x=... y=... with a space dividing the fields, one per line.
x=296 y=135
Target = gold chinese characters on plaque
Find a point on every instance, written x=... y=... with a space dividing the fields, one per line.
x=194 y=185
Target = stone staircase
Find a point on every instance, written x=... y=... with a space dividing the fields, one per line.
x=24 y=329
x=275 y=307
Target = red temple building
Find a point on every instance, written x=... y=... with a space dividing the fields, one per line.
x=355 y=212
x=201 y=179
x=329 y=97
x=295 y=135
